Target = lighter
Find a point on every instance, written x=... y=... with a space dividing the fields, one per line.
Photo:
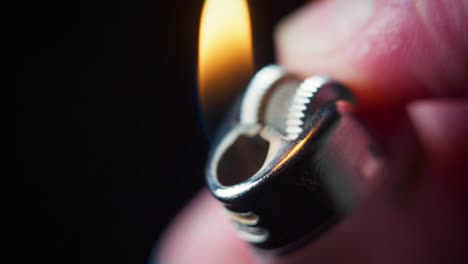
x=291 y=159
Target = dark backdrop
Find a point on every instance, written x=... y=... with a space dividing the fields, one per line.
x=108 y=140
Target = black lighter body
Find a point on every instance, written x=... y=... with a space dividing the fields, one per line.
x=291 y=159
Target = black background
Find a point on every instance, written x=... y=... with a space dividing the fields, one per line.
x=109 y=144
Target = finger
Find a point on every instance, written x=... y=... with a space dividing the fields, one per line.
x=389 y=52
x=445 y=142
x=202 y=234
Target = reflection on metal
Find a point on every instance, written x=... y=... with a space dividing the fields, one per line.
x=248 y=218
x=258 y=87
x=252 y=234
x=246 y=223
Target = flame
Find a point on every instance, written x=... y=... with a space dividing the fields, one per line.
x=225 y=55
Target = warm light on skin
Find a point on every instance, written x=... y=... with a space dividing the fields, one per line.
x=225 y=55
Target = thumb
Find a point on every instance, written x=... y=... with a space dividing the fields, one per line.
x=389 y=51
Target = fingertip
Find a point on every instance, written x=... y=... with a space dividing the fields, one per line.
x=388 y=52
x=201 y=233
x=309 y=41
x=443 y=128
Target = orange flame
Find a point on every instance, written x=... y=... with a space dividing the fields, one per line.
x=225 y=55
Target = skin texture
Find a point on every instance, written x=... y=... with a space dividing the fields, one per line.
x=406 y=61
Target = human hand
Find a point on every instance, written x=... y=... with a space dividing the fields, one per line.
x=406 y=62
